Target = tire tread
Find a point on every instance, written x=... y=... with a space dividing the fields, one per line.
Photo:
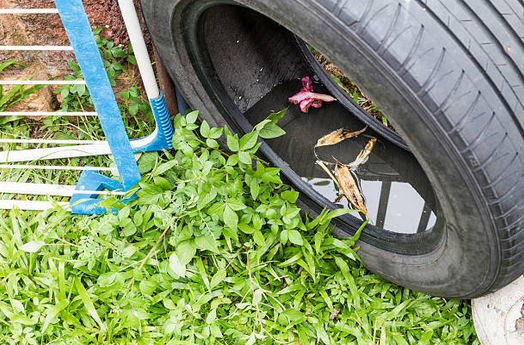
x=502 y=77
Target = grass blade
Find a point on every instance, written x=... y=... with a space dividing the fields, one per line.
x=88 y=302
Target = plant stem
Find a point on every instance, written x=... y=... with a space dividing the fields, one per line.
x=154 y=248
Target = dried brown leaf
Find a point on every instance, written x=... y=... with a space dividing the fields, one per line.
x=334 y=314
x=337 y=136
x=349 y=188
x=364 y=154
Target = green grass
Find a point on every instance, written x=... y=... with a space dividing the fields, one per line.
x=206 y=259
x=16 y=93
x=212 y=251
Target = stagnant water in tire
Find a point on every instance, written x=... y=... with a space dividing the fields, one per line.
x=397 y=194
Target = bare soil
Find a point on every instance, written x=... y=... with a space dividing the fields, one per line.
x=47 y=29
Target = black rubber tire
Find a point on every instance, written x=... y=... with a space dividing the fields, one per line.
x=450 y=76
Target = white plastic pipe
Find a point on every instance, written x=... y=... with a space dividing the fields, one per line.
x=100 y=149
x=54 y=153
x=127 y=7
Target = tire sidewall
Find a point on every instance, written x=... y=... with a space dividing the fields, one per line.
x=464 y=260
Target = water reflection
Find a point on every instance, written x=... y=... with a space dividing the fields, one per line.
x=386 y=204
x=397 y=194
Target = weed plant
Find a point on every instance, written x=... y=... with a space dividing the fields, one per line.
x=212 y=251
x=16 y=93
x=134 y=106
x=8 y=98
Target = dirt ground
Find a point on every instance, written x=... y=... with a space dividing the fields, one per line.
x=46 y=29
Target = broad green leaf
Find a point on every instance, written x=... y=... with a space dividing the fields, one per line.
x=232 y=142
x=295 y=237
x=274 y=117
x=257 y=296
x=192 y=117
x=147 y=162
x=217 y=208
x=261 y=124
x=259 y=238
x=206 y=242
x=107 y=279
x=165 y=167
x=290 y=195
x=207 y=198
x=22 y=319
x=230 y=217
x=271 y=131
x=148 y=287
x=294 y=315
x=215 y=133
x=230 y=233
x=232 y=161
x=185 y=252
x=245 y=228
x=248 y=141
x=236 y=204
x=218 y=278
x=32 y=246
x=284 y=236
x=244 y=157
x=176 y=266
x=426 y=337
x=205 y=131
x=215 y=331
x=212 y=143
x=211 y=317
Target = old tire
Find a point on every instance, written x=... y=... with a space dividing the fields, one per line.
x=450 y=78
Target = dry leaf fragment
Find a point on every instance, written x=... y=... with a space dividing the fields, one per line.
x=337 y=136
x=306 y=97
x=325 y=168
x=364 y=154
x=349 y=188
x=334 y=314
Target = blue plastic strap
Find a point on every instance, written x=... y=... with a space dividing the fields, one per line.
x=79 y=32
